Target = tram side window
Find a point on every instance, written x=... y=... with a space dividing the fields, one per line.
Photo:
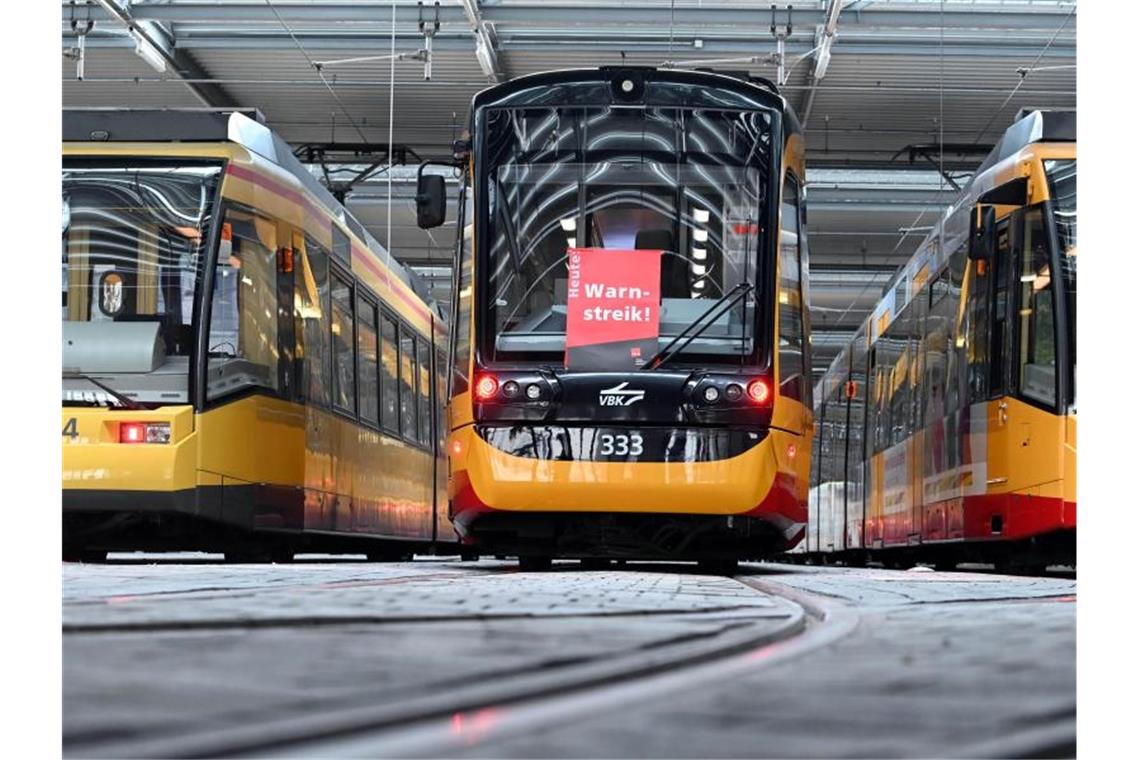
x=937 y=348
x=956 y=378
x=887 y=356
x=1037 y=350
x=855 y=453
x=977 y=331
x=344 y=366
x=423 y=372
x=999 y=336
x=243 y=311
x=407 y=384
x=389 y=374
x=440 y=399
x=366 y=348
x=790 y=295
x=312 y=290
x=899 y=389
x=461 y=322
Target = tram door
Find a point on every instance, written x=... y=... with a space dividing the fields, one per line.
x=998 y=358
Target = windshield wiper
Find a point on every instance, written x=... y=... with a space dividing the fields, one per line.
x=720 y=306
x=125 y=401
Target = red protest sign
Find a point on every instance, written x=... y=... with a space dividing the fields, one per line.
x=613 y=300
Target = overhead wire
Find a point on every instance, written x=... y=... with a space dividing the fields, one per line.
x=1026 y=71
x=942 y=188
x=317 y=68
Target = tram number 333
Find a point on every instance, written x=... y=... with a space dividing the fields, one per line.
x=621 y=445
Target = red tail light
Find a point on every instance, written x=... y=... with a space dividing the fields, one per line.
x=144 y=432
x=758 y=391
x=132 y=432
x=486 y=387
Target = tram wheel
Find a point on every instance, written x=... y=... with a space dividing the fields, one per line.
x=718 y=566
x=534 y=564
x=86 y=556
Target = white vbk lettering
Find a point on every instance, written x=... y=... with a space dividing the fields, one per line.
x=620 y=395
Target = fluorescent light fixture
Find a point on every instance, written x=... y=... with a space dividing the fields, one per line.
x=569 y=224
x=699 y=284
x=699 y=269
x=700 y=235
x=147 y=51
x=783 y=296
x=701 y=214
x=572 y=242
x=1028 y=277
x=700 y=254
x=483 y=56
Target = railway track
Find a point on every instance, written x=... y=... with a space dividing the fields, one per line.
x=501 y=663
x=658 y=640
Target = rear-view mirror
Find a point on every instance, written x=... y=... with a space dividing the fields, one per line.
x=982 y=233
x=431 y=200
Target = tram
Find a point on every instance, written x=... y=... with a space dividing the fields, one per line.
x=947 y=427
x=245 y=369
x=629 y=358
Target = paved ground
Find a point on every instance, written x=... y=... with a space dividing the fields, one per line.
x=935 y=664
x=940 y=665
x=154 y=653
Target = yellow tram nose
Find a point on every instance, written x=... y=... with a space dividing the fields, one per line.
x=129 y=449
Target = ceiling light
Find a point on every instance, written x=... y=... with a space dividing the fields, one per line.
x=699 y=284
x=148 y=52
x=701 y=214
x=569 y=224
x=483 y=56
x=699 y=269
x=700 y=254
x=700 y=235
x=572 y=242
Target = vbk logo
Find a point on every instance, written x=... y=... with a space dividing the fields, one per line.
x=619 y=395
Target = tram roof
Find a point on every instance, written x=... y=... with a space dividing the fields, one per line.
x=244 y=127
x=756 y=88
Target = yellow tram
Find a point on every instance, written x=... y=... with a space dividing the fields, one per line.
x=630 y=358
x=947 y=428
x=244 y=368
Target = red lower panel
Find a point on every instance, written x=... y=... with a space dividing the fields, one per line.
x=1016 y=516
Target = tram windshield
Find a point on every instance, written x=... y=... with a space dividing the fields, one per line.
x=133 y=240
x=692 y=183
x=1062 y=176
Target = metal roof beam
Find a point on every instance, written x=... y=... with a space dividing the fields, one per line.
x=486 y=51
x=593 y=15
x=824 y=38
x=161 y=41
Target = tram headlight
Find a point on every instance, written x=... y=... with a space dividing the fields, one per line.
x=510 y=389
x=733 y=392
x=533 y=391
x=711 y=394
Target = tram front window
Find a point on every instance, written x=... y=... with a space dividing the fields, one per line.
x=1062 y=176
x=690 y=183
x=133 y=238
